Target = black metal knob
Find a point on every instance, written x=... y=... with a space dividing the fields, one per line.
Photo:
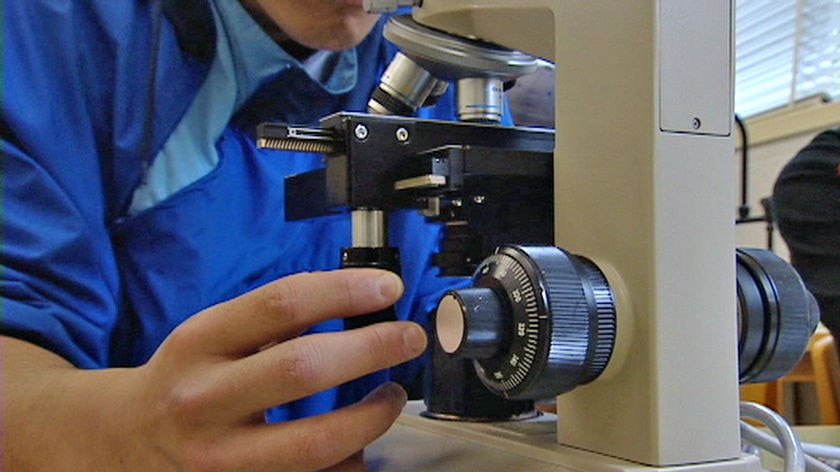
x=471 y=323
x=537 y=322
x=776 y=316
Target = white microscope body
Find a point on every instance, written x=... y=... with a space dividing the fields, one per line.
x=644 y=187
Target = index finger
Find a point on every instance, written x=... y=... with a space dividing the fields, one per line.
x=286 y=307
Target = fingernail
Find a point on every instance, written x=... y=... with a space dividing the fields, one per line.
x=390 y=285
x=390 y=391
x=414 y=338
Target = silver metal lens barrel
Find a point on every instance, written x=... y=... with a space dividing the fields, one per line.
x=404 y=87
x=385 y=6
x=368 y=228
x=481 y=100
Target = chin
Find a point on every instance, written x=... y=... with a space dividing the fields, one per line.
x=345 y=34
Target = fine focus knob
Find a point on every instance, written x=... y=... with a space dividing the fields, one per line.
x=476 y=308
x=537 y=322
x=776 y=316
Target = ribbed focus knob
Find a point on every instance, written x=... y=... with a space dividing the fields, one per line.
x=537 y=322
x=776 y=316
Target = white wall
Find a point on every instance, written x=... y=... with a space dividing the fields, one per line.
x=765 y=163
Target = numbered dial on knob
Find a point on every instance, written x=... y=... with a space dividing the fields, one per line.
x=537 y=322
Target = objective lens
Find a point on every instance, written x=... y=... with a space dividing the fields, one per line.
x=403 y=88
x=481 y=100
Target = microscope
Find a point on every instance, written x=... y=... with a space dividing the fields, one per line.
x=602 y=255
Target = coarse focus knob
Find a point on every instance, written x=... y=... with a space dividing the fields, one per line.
x=776 y=316
x=537 y=322
x=386 y=6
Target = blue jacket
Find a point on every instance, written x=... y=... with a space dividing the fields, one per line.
x=104 y=252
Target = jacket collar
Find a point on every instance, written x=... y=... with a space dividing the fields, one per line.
x=194 y=26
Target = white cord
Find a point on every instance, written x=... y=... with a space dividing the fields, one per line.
x=822 y=450
x=769 y=443
x=792 y=452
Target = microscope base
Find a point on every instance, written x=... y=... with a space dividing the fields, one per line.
x=420 y=444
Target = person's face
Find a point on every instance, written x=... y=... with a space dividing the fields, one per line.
x=320 y=24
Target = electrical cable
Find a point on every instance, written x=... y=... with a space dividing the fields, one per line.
x=822 y=451
x=744 y=208
x=798 y=456
x=769 y=443
x=792 y=452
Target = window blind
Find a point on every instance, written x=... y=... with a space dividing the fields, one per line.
x=785 y=51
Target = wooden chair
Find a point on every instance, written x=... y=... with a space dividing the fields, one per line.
x=819 y=366
x=827 y=378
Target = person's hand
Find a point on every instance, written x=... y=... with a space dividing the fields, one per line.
x=198 y=404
